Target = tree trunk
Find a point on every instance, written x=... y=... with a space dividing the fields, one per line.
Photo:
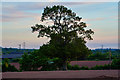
x=65 y=65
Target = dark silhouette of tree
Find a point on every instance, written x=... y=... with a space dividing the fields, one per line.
x=68 y=34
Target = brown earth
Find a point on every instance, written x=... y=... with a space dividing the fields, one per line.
x=63 y=75
x=89 y=63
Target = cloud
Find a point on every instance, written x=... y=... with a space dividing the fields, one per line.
x=15 y=15
x=17 y=11
x=14 y=12
x=106 y=38
x=93 y=19
x=39 y=5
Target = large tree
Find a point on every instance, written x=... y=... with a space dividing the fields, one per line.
x=68 y=33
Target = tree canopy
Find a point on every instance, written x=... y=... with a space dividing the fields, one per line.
x=66 y=23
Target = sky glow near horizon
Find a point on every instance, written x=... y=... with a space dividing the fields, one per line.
x=18 y=17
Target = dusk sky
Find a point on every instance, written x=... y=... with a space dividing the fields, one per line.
x=18 y=17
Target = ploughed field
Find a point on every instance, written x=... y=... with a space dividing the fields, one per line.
x=63 y=75
x=89 y=63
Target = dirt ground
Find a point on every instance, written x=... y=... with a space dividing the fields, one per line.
x=63 y=75
x=90 y=63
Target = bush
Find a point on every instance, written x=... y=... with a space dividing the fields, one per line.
x=84 y=68
x=25 y=62
x=115 y=64
x=48 y=68
x=115 y=67
x=106 y=66
x=98 y=56
x=76 y=67
x=32 y=61
x=16 y=60
x=97 y=67
x=7 y=67
x=11 y=68
x=69 y=66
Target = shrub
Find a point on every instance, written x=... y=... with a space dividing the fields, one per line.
x=76 y=67
x=69 y=66
x=98 y=56
x=48 y=68
x=84 y=68
x=7 y=67
x=106 y=66
x=25 y=62
x=97 y=67
x=11 y=68
x=16 y=60
x=115 y=67
x=115 y=64
x=33 y=61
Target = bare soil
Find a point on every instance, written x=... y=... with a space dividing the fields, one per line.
x=63 y=75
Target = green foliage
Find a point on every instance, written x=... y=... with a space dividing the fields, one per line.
x=10 y=68
x=84 y=68
x=36 y=60
x=98 y=56
x=48 y=67
x=65 y=53
x=7 y=67
x=69 y=66
x=97 y=67
x=75 y=67
x=15 y=51
x=115 y=64
x=32 y=61
x=15 y=59
x=52 y=64
x=65 y=22
x=106 y=66
x=25 y=62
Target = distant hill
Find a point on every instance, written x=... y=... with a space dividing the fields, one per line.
x=113 y=51
x=16 y=51
x=21 y=51
x=0 y=47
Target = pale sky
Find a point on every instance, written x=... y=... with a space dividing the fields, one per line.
x=18 y=17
